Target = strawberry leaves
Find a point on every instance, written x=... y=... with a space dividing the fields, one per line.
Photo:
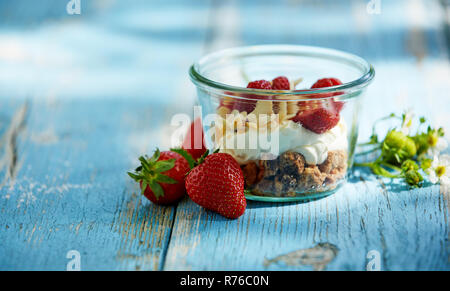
x=191 y=161
x=163 y=166
x=185 y=155
x=155 y=156
x=153 y=172
x=156 y=188
x=149 y=173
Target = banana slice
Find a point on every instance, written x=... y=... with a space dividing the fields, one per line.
x=263 y=107
x=223 y=111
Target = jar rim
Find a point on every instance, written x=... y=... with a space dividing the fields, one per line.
x=294 y=50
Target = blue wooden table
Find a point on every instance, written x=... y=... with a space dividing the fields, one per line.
x=82 y=96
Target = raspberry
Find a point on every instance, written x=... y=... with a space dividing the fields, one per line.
x=326 y=82
x=260 y=84
x=318 y=120
x=244 y=105
x=281 y=83
x=249 y=105
x=329 y=82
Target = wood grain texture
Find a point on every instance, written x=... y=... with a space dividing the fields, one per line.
x=69 y=193
x=102 y=101
x=96 y=91
x=359 y=218
x=409 y=229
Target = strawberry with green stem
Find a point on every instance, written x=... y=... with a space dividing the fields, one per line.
x=161 y=177
x=217 y=184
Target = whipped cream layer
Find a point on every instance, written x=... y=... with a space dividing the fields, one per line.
x=292 y=137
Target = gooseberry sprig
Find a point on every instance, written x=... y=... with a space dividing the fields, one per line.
x=404 y=155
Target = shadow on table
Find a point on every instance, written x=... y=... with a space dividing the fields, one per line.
x=391 y=185
x=358 y=175
x=259 y=204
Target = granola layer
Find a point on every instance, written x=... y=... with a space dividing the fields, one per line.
x=289 y=175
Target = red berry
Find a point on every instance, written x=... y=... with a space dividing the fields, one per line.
x=260 y=84
x=244 y=105
x=217 y=184
x=338 y=105
x=162 y=177
x=326 y=82
x=329 y=82
x=249 y=105
x=226 y=101
x=318 y=120
x=281 y=83
x=194 y=141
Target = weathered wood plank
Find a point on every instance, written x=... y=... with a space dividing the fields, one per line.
x=100 y=86
x=67 y=189
x=408 y=229
x=71 y=191
x=140 y=50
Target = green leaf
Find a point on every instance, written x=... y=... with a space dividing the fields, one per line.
x=392 y=167
x=397 y=158
x=162 y=166
x=373 y=139
x=156 y=189
x=155 y=156
x=145 y=164
x=363 y=165
x=380 y=171
x=165 y=179
x=135 y=177
x=143 y=186
x=203 y=157
x=185 y=155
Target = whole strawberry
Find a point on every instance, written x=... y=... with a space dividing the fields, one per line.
x=217 y=184
x=194 y=141
x=161 y=177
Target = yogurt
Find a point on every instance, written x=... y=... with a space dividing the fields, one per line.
x=293 y=137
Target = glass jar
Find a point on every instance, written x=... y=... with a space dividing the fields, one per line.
x=292 y=145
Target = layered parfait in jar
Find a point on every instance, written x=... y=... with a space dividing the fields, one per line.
x=312 y=147
x=293 y=137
